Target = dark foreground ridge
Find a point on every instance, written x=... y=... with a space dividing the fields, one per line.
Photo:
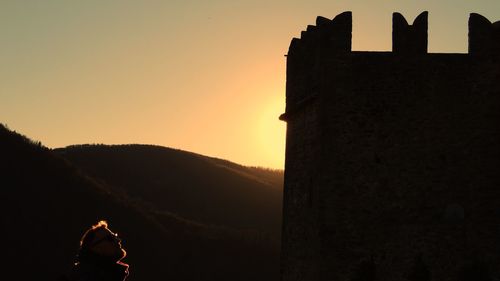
x=393 y=158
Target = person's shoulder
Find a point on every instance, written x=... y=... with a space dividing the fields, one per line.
x=63 y=277
x=82 y=272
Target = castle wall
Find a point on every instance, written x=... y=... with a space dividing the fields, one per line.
x=300 y=258
x=392 y=159
x=406 y=144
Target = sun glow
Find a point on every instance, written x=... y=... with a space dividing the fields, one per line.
x=271 y=131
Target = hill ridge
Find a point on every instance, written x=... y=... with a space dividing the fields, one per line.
x=193 y=186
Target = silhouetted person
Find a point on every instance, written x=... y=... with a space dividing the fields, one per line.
x=99 y=257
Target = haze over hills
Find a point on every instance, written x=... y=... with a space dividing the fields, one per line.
x=192 y=186
x=49 y=202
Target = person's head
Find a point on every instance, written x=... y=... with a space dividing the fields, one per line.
x=100 y=241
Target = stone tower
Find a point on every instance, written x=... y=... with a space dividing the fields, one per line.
x=392 y=167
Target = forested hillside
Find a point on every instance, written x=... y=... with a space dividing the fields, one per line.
x=48 y=203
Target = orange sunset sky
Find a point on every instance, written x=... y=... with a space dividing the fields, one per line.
x=203 y=76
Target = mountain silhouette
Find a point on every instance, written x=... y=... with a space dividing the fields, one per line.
x=200 y=188
x=49 y=202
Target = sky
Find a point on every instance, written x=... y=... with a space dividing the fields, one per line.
x=202 y=76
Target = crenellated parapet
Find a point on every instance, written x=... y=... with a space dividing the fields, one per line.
x=484 y=36
x=333 y=35
x=409 y=39
x=328 y=43
x=306 y=56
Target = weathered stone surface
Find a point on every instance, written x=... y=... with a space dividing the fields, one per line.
x=392 y=167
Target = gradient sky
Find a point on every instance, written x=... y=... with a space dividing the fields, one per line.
x=203 y=76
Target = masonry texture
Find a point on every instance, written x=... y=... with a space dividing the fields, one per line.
x=392 y=167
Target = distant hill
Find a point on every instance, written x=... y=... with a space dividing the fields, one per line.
x=47 y=203
x=195 y=187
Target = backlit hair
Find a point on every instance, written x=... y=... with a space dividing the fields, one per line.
x=89 y=235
